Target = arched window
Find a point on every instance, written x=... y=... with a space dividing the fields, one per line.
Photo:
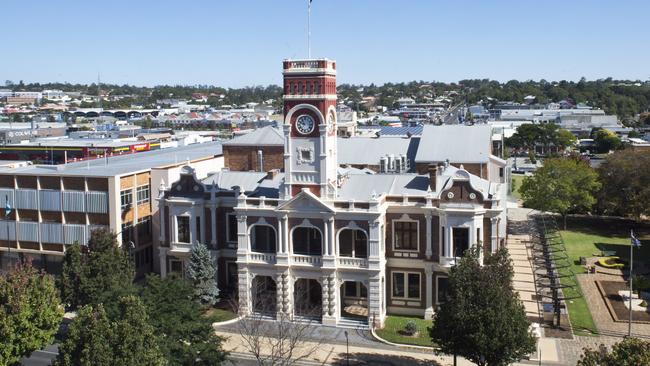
x=353 y=243
x=263 y=239
x=307 y=241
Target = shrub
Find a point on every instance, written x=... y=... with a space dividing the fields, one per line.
x=410 y=328
x=644 y=304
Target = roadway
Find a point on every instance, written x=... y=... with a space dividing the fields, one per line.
x=451 y=118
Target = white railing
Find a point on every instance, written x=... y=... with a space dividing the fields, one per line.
x=352 y=262
x=262 y=257
x=181 y=246
x=310 y=260
x=447 y=261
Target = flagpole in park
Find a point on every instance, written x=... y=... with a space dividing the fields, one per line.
x=7 y=213
x=634 y=242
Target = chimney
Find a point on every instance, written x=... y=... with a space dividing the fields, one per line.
x=433 y=176
x=271 y=174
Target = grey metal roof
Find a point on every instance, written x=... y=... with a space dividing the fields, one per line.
x=458 y=143
x=226 y=179
x=363 y=186
x=266 y=136
x=254 y=184
x=368 y=150
x=123 y=164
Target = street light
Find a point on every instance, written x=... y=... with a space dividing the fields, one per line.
x=347 y=348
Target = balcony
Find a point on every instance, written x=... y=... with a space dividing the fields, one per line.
x=448 y=261
x=349 y=262
x=264 y=258
x=307 y=260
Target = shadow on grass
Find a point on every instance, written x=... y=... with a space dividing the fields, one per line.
x=605 y=226
x=381 y=360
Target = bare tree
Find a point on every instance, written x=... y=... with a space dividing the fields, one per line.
x=275 y=337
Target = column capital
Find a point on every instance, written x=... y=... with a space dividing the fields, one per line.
x=494 y=219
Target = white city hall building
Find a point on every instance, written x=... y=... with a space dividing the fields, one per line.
x=343 y=244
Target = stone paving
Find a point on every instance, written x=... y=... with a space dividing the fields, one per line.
x=602 y=318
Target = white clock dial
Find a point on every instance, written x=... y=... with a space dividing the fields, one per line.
x=305 y=124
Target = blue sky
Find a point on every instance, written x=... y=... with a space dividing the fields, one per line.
x=241 y=43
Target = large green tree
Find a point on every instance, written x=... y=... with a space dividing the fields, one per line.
x=107 y=273
x=71 y=276
x=629 y=352
x=94 y=340
x=30 y=312
x=201 y=272
x=186 y=337
x=483 y=319
x=625 y=179
x=605 y=140
x=530 y=137
x=562 y=185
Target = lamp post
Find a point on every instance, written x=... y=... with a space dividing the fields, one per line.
x=347 y=348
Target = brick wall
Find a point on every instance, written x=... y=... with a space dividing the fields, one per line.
x=244 y=158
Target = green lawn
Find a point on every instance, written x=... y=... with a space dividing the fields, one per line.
x=219 y=315
x=395 y=323
x=587 y=237
x=516 y=184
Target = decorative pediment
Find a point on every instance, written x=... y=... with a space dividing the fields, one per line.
x=305 y=201
x=188 y=185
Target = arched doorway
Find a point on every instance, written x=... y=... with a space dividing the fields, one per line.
x=354 y=301
x=308 y=298
x=264 y=295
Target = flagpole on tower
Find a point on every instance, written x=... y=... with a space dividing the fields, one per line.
x=308 y=28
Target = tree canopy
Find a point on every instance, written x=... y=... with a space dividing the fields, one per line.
x=93 y=339
x=107 y=272
x=186 y=336
x=30 y=312
x=625 y=179
x=562 y=185
x=629 y=352
x=530 y=136
x=483 y=319
x=605 y=140
x=201 y=272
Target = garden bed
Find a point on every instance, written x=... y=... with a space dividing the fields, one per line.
x=617 y=309
x=394 y=330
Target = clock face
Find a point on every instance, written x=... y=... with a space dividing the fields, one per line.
x=305 y=124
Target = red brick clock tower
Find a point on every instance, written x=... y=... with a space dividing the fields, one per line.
x=310 y=127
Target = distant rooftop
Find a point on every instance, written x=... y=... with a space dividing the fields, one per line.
x=458 y=143
x=123 y=164
x=266 y=136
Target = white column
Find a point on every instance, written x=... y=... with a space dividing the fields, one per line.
x=280 y=246
x=213 y=227
x=429 y=250
x=428 y=272
x=332 y=241
x=326 y=237
x=375 y=313
x=330 y=299
x=162 y=217
x=284 y=290
x=242 y=236
x=449 y=241
x=162 y=257
x=287 y=243
x=244 y=284
x=494 y=233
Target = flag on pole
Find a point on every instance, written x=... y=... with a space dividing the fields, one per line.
x=634 y=241
x=7 y=206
